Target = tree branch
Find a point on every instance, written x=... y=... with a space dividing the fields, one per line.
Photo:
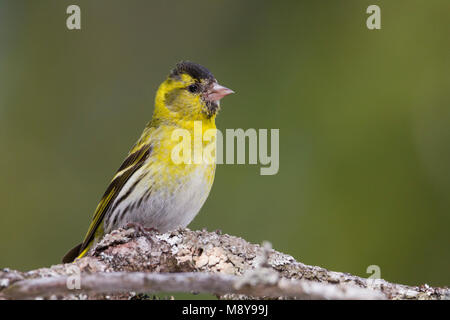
x=222 y=284
x=196 y=261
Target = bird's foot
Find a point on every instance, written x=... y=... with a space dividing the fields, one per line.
x=141 y=230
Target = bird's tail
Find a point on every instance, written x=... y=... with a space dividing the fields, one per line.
x=72 y=254
x=75 y=253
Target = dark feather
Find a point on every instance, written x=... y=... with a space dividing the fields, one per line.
x=195 y=70
x=72 y=254
x=133 y=162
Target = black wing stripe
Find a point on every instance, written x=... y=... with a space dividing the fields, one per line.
x=129 y=191
x=138 y=158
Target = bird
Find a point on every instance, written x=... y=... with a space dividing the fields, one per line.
x=150 y=190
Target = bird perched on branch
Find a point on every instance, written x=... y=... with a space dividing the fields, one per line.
x=150 y=189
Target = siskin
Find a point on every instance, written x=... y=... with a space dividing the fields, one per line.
x=150 y=190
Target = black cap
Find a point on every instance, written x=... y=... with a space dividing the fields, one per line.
x=193 y=69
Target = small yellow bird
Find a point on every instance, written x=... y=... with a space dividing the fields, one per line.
x=150 y=190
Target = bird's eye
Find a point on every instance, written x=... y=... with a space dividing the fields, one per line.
x=194 y=88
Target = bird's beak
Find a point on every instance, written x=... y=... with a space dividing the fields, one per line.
x=217 y=92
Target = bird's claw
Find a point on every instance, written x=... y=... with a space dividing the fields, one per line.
x=141 y=230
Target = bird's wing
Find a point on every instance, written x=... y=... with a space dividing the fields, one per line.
x=132 y=163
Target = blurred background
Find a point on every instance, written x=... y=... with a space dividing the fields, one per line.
x=364 y=119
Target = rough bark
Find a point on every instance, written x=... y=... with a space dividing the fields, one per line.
x=124 y=263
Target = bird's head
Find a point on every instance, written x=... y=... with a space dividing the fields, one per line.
x=190 y=92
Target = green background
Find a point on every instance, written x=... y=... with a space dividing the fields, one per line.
x=364 y=119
